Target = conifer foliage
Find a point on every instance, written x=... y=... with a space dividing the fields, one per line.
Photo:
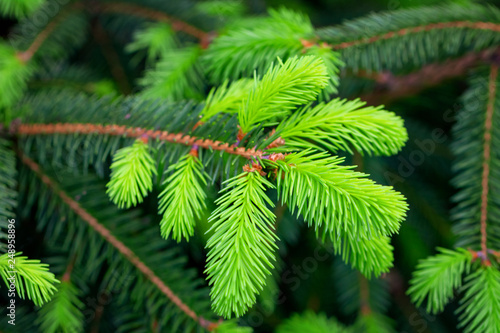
x=226 y=123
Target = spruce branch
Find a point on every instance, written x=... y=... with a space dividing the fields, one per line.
x=485 y=186
x=115 y=243
x=32 y=279
x=283 y=87
x=14 y=73
x=64 y=312
x=337 y=199
x=438 y=276
x=177 y=75
x=242 y=244
x=227 y=98
x=341 y=124
x=183 y=199
x=131 y=176
x=371 y=257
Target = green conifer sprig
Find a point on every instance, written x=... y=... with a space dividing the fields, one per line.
x=8 y=189
x=343 y=125
x=183 y=199
x=241 y=248
x=254 y=47
x=131 y=176
x=438 y=276
x=297 y=81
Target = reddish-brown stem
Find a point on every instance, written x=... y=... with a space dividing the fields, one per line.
x=492 y=86
x=111 y=57
x=136 y=132
x=178 y=25
x=108 y=236
x=428 y=27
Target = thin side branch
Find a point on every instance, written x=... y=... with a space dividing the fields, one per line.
x=178 y=25
x=136 y=132
x=108 y=236
x=492 y=87
x=428 y=27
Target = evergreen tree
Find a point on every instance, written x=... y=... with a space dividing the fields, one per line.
x=138 y=134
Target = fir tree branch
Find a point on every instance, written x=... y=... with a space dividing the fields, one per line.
x=136 y=132
x=111 y=57
x=178 y=25
x=487 y=159
x=429 y=27
x=108 y=236
x=480 y=307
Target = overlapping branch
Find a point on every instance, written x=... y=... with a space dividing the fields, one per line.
x=427 y=27
x=136 y=132
x=391 y=87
